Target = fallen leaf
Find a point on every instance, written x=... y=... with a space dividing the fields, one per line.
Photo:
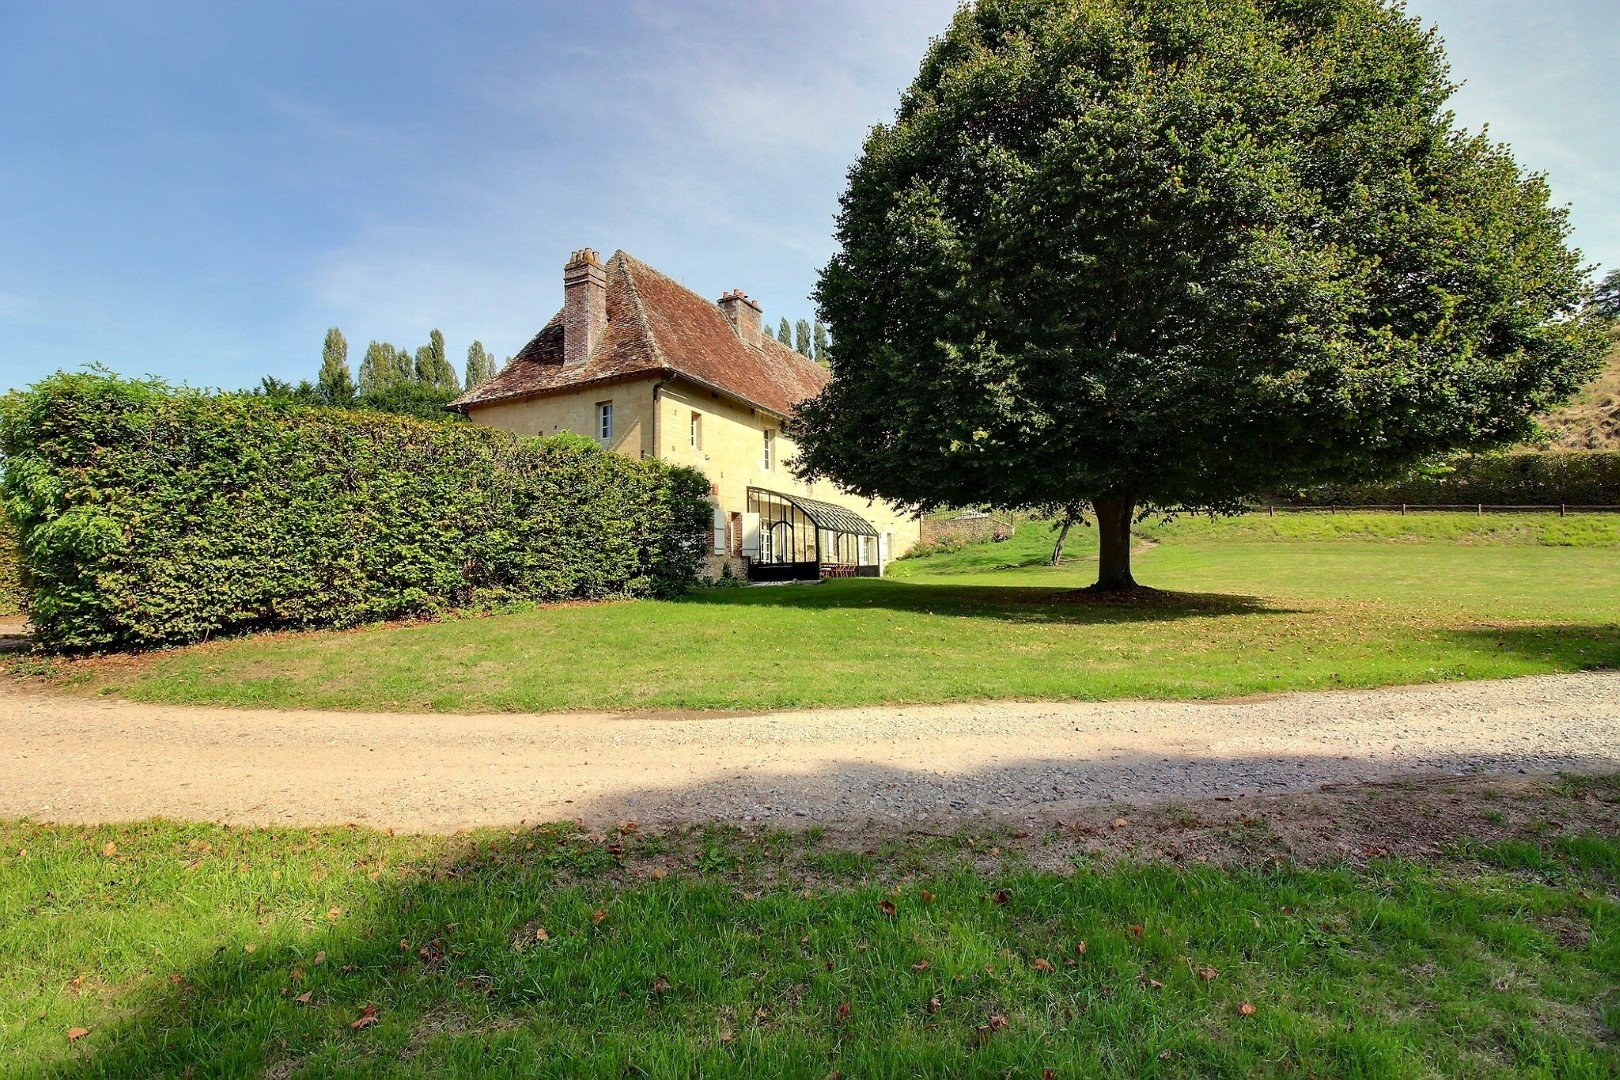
x=333 y=914
x=1042 y=964
x=997 y=1023
x=999 y=896
x=1120 y=823
x=658 y=873
x=320 y=958
x=843 y=1012
x=540 y=934
x=598 y=915
x=296 y=975
x=926 y=896
x=933 y=1005
x=887 y=907
x=368 y=1016
x=1155 y=984
x=249 y=947
x=75 y=1034
x=304 y=998
x=1080 y=948
x=1137 y=931
x=110 y=850
x=1208 y=974
x=726 y=1037
x=1020 y=834
x=1245 y=1009
x=921 y=965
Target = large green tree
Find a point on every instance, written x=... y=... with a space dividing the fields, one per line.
x=335 y=383
x=1169 y=253
x=1606 y=299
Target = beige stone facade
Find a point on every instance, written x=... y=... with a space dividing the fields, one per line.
x=655 y=418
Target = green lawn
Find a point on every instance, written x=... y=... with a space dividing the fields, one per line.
x=1260 y=604
x=176 y=950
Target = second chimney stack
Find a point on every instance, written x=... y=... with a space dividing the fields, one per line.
x=744 y=315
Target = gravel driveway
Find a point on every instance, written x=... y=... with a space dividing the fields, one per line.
x=77 y=759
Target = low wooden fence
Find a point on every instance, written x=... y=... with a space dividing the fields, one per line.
x=1561 y=509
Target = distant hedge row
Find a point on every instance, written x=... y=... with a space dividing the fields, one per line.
x=1532 y=478
x=150 y=516
x=10 y=569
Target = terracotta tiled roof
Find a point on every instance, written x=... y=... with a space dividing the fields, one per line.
x=658 y=327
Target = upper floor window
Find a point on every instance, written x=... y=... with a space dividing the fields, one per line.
x=770 y=449
x=697 y=431
x=604 y=420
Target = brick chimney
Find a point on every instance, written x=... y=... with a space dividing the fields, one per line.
x=744 y=315
x=584 y=305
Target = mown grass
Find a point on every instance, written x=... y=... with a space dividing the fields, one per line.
x=1262 y=604
x=203 y=950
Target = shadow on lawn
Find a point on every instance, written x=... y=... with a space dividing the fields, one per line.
x=1016 y=603
x=545 y=951
x=1571 y=647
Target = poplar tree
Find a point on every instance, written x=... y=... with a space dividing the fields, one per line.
x=335 y=382
x=801 y=337
x=784 y=333
x=819 y=345
x=480 y=365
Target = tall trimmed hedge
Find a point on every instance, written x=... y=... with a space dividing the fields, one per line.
x=1530 y=478
x=11 y=595
x=150 y=516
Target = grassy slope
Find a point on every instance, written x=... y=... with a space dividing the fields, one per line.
x=1284 y=603
x=1592 y=420
x=233 y=952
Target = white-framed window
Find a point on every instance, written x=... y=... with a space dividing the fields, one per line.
x=770 y=449
x=604 y=420
x=697 y=431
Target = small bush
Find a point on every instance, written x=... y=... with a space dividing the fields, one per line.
x=149 y=516
x=1530 y=478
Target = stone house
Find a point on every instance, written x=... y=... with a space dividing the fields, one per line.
x=649 y=368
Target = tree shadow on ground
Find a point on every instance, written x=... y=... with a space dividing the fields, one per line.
x=550 y=951
x=1016 y=603
x=1564 y=647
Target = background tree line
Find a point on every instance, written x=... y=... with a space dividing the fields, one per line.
x=391 y=378
x=808 y=339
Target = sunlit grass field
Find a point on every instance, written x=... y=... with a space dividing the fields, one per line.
x=1254 y=604
x=197 y=950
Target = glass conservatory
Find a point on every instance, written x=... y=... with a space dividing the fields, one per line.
x=802 y=539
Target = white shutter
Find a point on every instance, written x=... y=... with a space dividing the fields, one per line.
x=719 y=532
x=883 y=551
x=750 y=535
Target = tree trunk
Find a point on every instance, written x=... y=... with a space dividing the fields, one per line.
x=1114 y=542
x=1063 y=535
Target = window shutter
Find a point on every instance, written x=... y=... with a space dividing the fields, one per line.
x=750 y=535
x=719 y=532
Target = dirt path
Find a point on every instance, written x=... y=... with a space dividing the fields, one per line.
x=78 y=759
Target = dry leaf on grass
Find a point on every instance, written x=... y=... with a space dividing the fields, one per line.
x=75 y=1034
x=304 y=998
x=1041 y=963
x=1245 y=1009
x=368 y=1016
x=887 y=907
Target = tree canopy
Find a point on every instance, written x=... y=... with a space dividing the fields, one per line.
x=1170 y=253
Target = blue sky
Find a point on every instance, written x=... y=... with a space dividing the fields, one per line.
x=198 y=190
